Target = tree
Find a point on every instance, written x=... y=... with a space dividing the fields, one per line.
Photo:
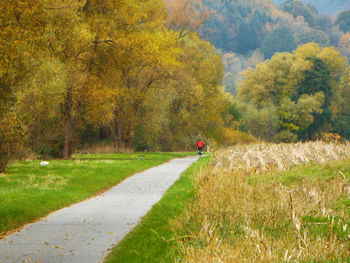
x=62 y=70
x=69 y=40
x=344 y=45
x=297 y=8
x=302 y=89
x=343 y=20
x=39 y=101
x=307 y=35
x=272 y=80
x=236 y=26
x=279 y=40
x=342 y=120
x=261 y=122
x=198 y=96
x=19 y=41
x=144 y=56
x=192 y=105
x=186 y=16
x=316 y=80
x=248 y=38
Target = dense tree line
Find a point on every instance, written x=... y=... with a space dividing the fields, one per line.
x=297 y=96
x=242 y=26
x=76 y=71
x=329 y=7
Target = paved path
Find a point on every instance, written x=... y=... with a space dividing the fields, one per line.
x=84 y=232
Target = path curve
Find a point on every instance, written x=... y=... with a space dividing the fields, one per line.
x=85 y=232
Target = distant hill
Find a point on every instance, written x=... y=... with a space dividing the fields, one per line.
x=243 y=27
x=248 y=32
x=330 y=7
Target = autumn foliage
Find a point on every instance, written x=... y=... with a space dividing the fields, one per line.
x=76 y=72
x=296 y=96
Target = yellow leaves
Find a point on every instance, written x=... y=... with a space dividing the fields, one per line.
x=97 y=64
x=312 y=103
x=334 y=61
x=299 y=67
x=285 y=71
x=258 y=84
x=344 y=42
x=41 y=95
x=308 y=50
x=306 y=107
x=233 y=136
x=329 y=55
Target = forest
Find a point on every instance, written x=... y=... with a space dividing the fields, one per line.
x=286 y=65
x=154 y=75
x=249 y=32
x=330 y=7
x=81 y=72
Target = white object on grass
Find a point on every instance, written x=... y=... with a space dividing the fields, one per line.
x=44 y=163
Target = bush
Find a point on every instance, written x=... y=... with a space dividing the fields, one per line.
x=52 y=148
x=286 y=137
x=263 y=123
x=232 y=137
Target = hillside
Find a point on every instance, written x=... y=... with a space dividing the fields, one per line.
x=249 y=32
x=244 y=26
x=330 y=7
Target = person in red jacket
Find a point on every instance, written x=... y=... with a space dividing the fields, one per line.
x=200 y=145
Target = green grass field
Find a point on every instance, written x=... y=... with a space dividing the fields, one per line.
x=152 y=240
x=29 y=191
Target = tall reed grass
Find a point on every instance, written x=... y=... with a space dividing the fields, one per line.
x=242 y=214
x=264 y=157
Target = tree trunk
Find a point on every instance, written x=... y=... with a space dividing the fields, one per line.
x=129 y=143
x=117 y=132
x=68 y=125
x=68 y=139
x=114 y=137
x=119 y=136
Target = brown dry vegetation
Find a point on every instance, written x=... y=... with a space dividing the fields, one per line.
x=243 y=215
x=264 y=157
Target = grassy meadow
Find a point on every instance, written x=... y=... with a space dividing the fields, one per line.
x=29 y=191
x=269 y=203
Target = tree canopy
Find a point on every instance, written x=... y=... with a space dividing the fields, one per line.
x=132 y=72
x=299 y=90
x=343 y=20
x=279 y=40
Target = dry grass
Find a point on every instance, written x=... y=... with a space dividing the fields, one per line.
x=264 y=157
x=239 y=216
x=102 y=148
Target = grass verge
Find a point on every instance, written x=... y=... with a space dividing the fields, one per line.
x=29 y=191
x=151 y=241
